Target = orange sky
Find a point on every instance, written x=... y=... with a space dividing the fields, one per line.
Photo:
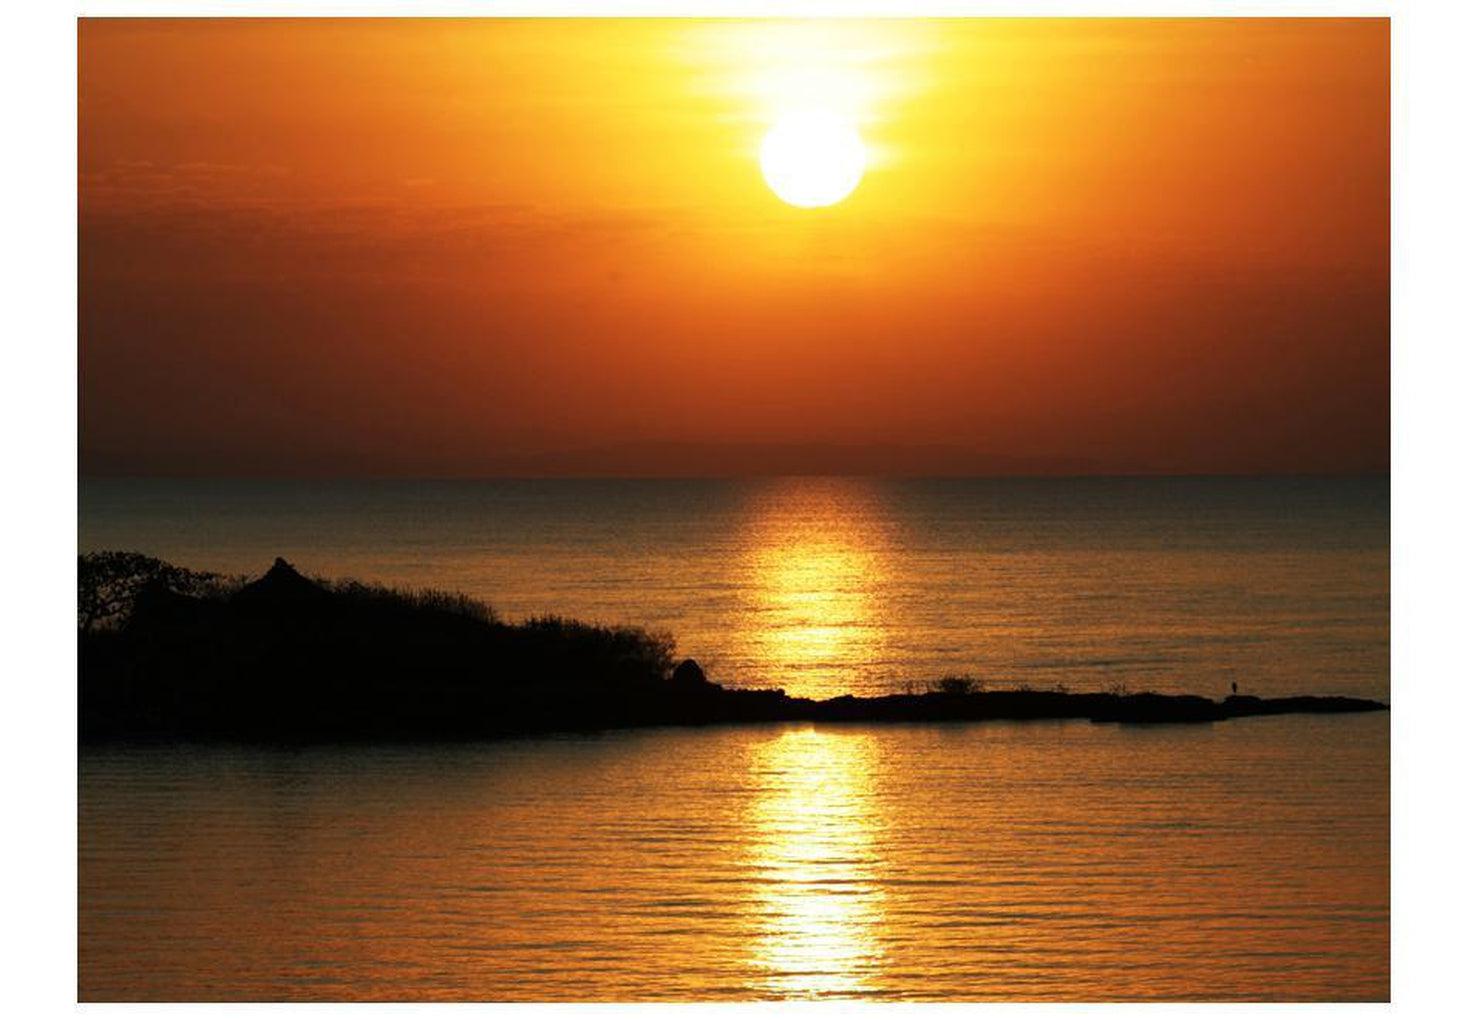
x=466 y=248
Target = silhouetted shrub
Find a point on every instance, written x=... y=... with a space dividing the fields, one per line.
x=421 y=600
x=286 y=654
x=957 y=685
x=646 y=652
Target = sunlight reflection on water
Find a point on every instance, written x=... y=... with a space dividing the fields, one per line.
x=817 y=904
x=817 y=563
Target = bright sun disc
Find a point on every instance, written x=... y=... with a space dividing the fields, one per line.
x=812 y=158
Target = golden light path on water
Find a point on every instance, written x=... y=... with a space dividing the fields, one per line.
x=816 y=554
x=817 y=905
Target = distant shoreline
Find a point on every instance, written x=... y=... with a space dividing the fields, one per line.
x=172 y=655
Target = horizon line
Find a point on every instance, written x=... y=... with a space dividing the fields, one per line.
x=721 y=476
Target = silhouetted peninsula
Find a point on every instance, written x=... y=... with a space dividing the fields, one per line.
x=168 y=653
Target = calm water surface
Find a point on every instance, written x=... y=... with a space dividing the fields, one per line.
x=829 y=586
x=1246 y=859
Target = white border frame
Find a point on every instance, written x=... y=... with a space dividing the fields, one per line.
x=1429 y=327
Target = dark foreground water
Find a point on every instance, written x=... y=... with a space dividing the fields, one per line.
x=1245 y=859
x=828 y=586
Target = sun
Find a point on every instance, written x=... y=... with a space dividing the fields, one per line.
x=812 y=158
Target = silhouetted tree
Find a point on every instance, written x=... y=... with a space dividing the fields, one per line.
x=108 y=584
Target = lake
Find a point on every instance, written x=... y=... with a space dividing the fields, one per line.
x=1240 y=860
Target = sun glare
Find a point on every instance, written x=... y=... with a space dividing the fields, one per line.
x=812 y=158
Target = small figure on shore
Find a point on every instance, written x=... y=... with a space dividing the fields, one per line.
x=1235 y=686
